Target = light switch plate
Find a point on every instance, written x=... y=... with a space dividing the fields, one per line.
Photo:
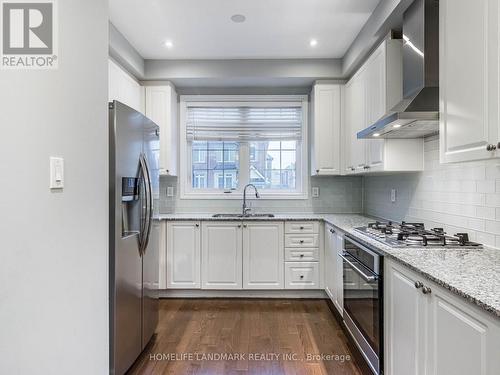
x=315 y=192
x=170 y=191
x=56 y=172
x=393 y=195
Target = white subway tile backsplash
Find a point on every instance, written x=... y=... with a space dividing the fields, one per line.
x=462 y=197
x=486 y=186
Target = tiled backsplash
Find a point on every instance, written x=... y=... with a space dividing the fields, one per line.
x=463 y=197
x=337 y=195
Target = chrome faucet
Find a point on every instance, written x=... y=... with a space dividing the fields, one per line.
x=245 y=208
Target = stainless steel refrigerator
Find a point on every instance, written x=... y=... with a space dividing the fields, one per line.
x=133 y=234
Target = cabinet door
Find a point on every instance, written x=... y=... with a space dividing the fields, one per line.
x=183 y=255
x=326 y=130
x=461 y=341
x=221 y=255
x=469 y=83
x=123 y=87
x=338 y=283
x=161 y=107
x=263 y=252
x=355 y=121
x=404 y=322
x=375 y=92
x=330 y=262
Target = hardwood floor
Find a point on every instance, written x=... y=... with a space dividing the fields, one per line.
x=261 y=332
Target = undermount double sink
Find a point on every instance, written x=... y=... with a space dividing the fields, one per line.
x=236 y=216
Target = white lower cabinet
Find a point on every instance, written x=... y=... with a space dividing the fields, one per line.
x=263 y=253
x=221 y=255
x=183 y=255
x=302 y=275
x=303 y=255
x=334 y=267
x=435 y=333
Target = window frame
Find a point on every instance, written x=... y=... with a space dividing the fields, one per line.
x=186 y=173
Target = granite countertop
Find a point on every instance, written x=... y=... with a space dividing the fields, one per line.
x=473 y=274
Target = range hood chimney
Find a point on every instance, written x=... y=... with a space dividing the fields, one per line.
x=417 y=115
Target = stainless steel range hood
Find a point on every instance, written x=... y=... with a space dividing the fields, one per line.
x=417 y=115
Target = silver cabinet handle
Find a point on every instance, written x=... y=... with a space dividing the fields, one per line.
x=418 y=284
x=332 y=231
x=426 y=290
x=358 y=270
x=239 y=225
x=244 y=225
x=491 y=147
x=197 y=225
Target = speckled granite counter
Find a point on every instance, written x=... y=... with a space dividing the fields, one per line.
x=472 y=274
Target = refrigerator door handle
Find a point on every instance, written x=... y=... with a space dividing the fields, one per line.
x=149 y=202
x=146 y=224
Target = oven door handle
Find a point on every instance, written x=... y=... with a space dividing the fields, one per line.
x=358 y=270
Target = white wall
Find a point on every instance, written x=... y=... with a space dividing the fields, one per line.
x=54 y=253
x=463 y=197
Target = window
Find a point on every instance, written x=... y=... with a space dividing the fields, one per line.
x=228 y=142
x=273 y=165
x=214 y=160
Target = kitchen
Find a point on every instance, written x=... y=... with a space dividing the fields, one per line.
x=255 y=187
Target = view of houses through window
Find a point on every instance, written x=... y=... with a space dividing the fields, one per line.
x=271 y=164
x=215 y=165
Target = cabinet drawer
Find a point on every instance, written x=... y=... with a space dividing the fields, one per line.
x=303 y=275
x=301 y=240
x=301 y=255
x=302 y=227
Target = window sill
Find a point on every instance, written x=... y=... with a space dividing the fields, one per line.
x=250 y=196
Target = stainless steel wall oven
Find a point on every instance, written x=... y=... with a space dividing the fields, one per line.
x=363 y=299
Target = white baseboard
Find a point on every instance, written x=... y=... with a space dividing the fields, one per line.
x=198 y=293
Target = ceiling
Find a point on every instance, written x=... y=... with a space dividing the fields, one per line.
x=274 y=29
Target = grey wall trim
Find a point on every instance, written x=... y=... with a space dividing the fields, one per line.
x=387 y=15
x=243 y=73
x=124 y=53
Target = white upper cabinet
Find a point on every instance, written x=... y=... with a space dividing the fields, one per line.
x=370 y=94
x=325 y=129
x=469 y=81
x=355 y=104
x=162 y=108
x=124 y=88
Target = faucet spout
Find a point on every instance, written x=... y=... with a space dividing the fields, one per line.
x=246 y=209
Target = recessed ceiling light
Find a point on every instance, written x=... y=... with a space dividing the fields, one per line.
x=169 y=44
x=376 y=134
x=396 y=125
x=238 y=18
x=313 y=43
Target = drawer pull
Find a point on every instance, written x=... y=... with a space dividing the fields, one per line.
x=301 y=227
x=426 y=290
x=418 y=284
x=301 y=276
x=301 y=241
x=302 y=255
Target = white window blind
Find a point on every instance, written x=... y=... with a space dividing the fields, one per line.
x=244 y=123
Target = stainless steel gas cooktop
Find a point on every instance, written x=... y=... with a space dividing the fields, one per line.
x=415 y=234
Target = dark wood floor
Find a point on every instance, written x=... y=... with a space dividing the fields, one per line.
x=299 y=328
